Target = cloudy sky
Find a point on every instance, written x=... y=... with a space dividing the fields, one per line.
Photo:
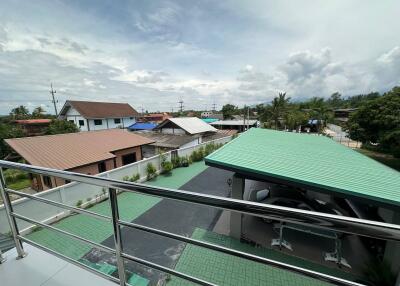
x=154 y=53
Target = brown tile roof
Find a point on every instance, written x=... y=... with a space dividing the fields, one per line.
x=67 y=151
x=92 y=109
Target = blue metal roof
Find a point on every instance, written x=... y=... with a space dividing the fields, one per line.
x=142 y=126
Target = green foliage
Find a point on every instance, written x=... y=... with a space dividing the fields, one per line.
x=79 y=203
x=20 y=112
x=197 y=155
x=135 y=177
x=378 y=121
x=8 y=131
x=379 y=273
x=61 y=127
x=125 y=178
x=151 y=171
x=166 y=167
x=228 y=110
x=39 y=112
x=13 y=176
x=176 y=161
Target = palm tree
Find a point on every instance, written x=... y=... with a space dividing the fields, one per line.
x=20 y=112
x=279 y=107
x=38 y=112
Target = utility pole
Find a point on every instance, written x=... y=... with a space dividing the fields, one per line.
x=53 y=92
x=180 y=105
x=214 y=106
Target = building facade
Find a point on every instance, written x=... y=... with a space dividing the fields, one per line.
x=91 y=116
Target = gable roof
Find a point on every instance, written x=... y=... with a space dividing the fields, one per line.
x=67 y=151
x=191 y=125
x=308 y=160
x=174 y=141
x=93 y=109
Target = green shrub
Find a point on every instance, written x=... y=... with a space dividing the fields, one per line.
x=176 y=161
x=125 y=178
x=79 y=203
x=135 y=177
x=185 y=162
x=166 y=167
x=151 y=171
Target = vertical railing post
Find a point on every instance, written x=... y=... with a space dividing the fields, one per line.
x=11 y=220
x=2 y=257
x=117 y=235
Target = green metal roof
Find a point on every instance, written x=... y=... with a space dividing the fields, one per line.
x=315 y=161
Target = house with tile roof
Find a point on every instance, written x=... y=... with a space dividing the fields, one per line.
x=83 y=152
x=90 y=115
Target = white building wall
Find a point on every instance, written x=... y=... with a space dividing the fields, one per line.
x=192 y=143
x=88 y=124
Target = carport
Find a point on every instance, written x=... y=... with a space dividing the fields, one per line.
x=313 y=163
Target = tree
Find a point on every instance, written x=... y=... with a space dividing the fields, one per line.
x=228 y=110
x=378 y=121
x=61 y=127
x=38 y=112
x=277 y=110
x=335 y=100
x=8 y=131
x=20 y=112
x=295 y=118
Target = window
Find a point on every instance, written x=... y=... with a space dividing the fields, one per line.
x=81 y=122
x=102 y=167
x=98 y=122
x=130 y=118
x=47 y=181
x=128 y=158
x=117 y=120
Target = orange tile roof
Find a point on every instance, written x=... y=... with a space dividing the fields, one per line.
x=32 y=121
x=67 y=151
x=92 y=109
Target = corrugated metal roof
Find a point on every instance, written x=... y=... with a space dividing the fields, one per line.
x=168 y=140
x=191 y=125
x=93 y=109
x=234 y=122
x=312 y=160
x=66 y=151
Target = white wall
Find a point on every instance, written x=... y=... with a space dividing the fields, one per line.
x=107 y=123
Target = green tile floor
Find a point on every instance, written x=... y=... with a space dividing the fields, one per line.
x=223 y=269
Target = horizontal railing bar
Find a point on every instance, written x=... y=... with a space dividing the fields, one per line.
x=308 y=218
x=229 y=251
x=74 y=236
x=70 y=260
x=57 y=204
x=167 y=270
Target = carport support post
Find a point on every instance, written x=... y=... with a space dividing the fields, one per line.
x=236 y=218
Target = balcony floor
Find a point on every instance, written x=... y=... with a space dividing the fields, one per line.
x=42 y=269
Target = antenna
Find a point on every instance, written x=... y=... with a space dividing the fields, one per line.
x=53 y=92
x=214 y=106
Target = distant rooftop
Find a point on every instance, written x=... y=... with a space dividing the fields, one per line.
x=33 y=121
x=239 y=122
x=209 y=120
x=308 y=160
x=142 y=126
x=93 y=109
x=191 y=125
x=66 y=151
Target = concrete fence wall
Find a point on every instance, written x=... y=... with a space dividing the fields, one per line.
x=72 y=193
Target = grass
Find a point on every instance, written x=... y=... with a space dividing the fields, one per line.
x=20 y=184
x=383 y=158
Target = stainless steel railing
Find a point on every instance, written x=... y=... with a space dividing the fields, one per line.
x=308 y=218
